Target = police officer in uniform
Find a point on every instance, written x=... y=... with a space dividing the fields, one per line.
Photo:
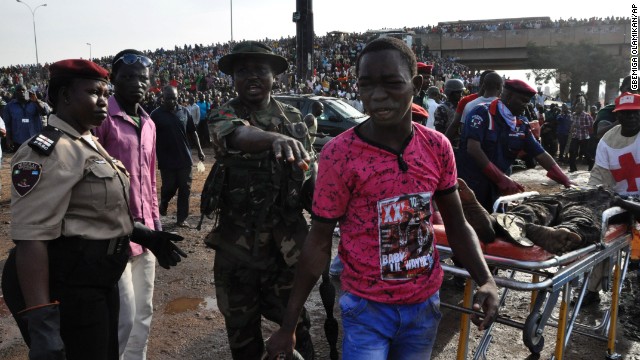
x=492 y=138
x=266 y=150
x=72 y=226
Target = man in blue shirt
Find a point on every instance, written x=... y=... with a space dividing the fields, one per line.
x=174 y=126
x=22 y=116
x=493 y=136
x=204 y=106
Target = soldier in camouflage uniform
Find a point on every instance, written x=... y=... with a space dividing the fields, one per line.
x=266 y=151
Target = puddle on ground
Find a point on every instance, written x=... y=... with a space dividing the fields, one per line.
x=184 y=304
x=210 y=304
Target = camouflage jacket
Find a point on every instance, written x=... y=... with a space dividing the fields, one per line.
x=261 y=199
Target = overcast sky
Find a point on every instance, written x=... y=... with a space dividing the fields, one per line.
x=64 y=27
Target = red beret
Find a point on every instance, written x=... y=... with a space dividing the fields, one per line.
x=76 y=68
x=519 y=86
x=424 y=68
x=627 y=101
x=419 y=111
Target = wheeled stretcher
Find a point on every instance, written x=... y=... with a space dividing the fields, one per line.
x=548 y=277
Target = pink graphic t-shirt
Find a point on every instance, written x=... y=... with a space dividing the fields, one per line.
x=382 y=200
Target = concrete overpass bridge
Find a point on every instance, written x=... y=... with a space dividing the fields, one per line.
x=507 y=49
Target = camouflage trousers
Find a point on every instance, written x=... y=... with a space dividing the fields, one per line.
x=579 y=211
x=245 y=294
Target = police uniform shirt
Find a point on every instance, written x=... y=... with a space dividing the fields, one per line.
x=73 y=191
x=499 y=141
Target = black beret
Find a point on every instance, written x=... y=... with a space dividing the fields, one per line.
x=77 y=68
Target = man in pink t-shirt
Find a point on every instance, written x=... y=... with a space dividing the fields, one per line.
x=379 y=180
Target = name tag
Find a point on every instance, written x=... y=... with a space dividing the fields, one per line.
x=25 y=121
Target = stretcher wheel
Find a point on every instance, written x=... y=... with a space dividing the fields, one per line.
x=530 y=337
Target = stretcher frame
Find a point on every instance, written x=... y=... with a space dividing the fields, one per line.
x=551 y=279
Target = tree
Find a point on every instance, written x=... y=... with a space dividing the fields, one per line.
x=583 y=63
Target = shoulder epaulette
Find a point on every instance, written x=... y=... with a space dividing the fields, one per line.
x=290 y=108
x=44 y=142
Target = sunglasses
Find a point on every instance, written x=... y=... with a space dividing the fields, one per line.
x=130 y=59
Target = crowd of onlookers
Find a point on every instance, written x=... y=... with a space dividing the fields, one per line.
x=462 y=26
x=193 y=68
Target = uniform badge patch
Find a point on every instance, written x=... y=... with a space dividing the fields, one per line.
x=476 y=121
x=25 y=175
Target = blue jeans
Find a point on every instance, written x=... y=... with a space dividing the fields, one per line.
x=336 y=267
x=377 y=331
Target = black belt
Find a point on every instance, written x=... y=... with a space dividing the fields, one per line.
x=94 y=249
x=118 y=245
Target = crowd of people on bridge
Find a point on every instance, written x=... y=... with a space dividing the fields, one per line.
x=495 y=25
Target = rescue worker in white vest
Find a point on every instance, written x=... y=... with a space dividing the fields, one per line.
x=617 y=167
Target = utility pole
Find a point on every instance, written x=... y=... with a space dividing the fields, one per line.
x=33 y=18
x=303 y=17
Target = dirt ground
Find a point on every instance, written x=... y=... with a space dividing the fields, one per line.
x=187 y=324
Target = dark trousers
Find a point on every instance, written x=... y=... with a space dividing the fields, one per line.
x=85 y=282
x=203 y=133
x=577 y=147
x=591 y=151
x=247 y=294
x=550 y=144
x=562 y=143
x=176 y=180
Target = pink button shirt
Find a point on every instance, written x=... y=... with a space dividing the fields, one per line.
x=136 y=148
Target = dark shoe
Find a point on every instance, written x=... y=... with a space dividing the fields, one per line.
x=208 y=241
x=183 y=224
x=163 y=210
x=590 y=298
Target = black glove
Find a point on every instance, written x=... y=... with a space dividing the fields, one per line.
x=44 y=333
x=160 y=243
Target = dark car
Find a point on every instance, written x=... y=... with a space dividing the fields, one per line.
x=337 y=117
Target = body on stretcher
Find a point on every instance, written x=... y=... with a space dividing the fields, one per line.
x=549 y=277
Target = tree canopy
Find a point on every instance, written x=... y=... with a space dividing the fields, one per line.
x=582 y=63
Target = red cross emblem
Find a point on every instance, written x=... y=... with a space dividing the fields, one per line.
x=629 y=170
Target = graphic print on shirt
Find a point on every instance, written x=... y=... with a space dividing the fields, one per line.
x=405 y=236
